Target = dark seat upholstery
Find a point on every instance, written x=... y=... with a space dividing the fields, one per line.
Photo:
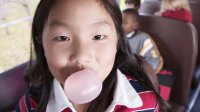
x=177 y=43
x=149 y=7
x=195 y=8
x=12 y=87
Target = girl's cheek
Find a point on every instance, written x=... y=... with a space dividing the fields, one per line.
x=57 y=60
x=56 y=66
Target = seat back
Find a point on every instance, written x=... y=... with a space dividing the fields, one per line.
x=177 y=43
x=195 y=8
x=150 y=7
x=12 y=86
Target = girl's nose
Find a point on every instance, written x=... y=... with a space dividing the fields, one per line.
x=81 y=55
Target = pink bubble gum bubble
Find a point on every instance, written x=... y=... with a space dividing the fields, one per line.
x=83 y=86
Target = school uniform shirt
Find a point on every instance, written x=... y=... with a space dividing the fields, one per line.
x=130 y=95
x=142 y=44
x=179 y=14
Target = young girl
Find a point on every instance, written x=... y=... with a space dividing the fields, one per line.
x=71 y=35
x=175 y=9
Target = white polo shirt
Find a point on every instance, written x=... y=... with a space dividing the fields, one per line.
x=124 y=94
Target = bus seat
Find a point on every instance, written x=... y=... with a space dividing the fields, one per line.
x=195 y=8
x=149 y=7
x=177 y=43
x=12 y=86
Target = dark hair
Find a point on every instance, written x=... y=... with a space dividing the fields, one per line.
x=135 y=2
x=124 y=59
x=133 y=12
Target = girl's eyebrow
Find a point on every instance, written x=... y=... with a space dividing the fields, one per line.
x=101 y=22
x=57 y=23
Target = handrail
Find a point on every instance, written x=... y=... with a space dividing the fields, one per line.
x=28 y=18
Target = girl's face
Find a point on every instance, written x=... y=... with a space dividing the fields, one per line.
x=79 y=34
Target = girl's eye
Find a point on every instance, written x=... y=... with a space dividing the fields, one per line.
x=62 y=38
x=99 y=37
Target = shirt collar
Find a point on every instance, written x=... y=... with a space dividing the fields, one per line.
x=58 y=100
x=129 y=35
x=124 y=94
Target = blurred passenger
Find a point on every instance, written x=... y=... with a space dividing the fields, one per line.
x=140 y=42
x=135 y=4
x=175 y=9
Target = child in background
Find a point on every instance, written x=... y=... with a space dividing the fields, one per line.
x=135 y=4
x=140 y=42
x=175 y=9
x=67 y=40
